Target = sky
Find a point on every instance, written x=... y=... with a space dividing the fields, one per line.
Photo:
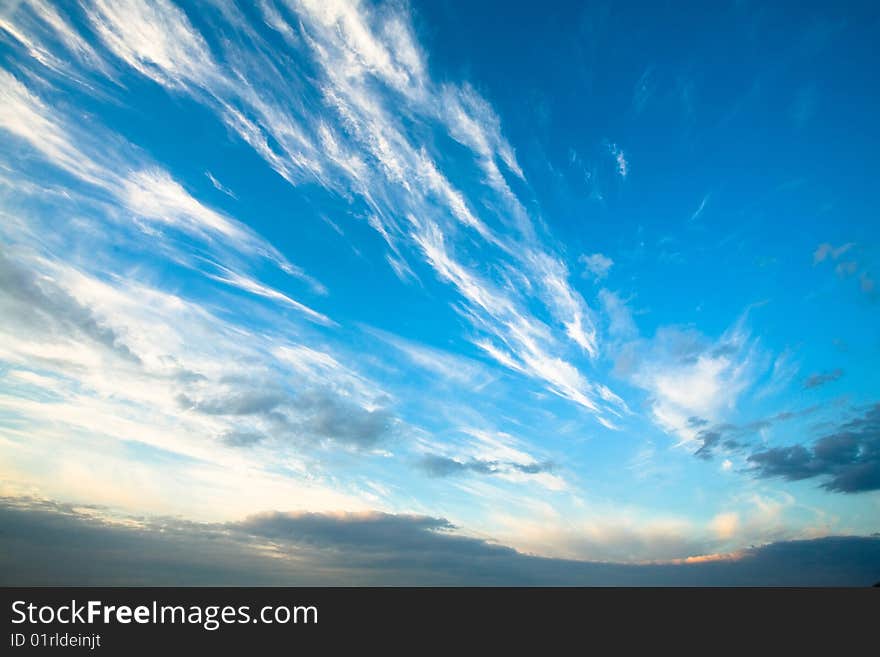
x=440 y=292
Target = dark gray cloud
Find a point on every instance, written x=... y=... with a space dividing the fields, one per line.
x=242 y=438
x=324 y=414
x=821 y=378
x=848 y=459
x=36 y=303
x=710 y=440
x=368 y=533
x=441 y=466
x=52 y=544
x=533 y=468
x=735 y=437
x=241 y=402
x=43 y=543
x=311 y=414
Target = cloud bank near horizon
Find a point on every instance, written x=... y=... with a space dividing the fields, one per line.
x=45 y=542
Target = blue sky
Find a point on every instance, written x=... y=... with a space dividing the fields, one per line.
x=594 y=282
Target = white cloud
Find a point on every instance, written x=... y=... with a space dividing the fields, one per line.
x=155 y=38
x=154 y=195
x=527 y=339
x=564 y=303
x=622 y=535
x=27 y=117
x=38 y=23
x=255 y=287
x=597 y=265
x=450 y=367
x=700 y=209
x=725 y=525
x=785 y=369
x=219 y=186
x=620 y=159
x=621 y=325
x=690 y=379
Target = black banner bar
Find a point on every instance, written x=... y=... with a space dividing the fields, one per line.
x=115 y=621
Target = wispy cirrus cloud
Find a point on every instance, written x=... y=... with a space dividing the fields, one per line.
x=699 y=211
x=220 y=187
x=146 y=191
x=451 y=369
x=26 y=116
x=38 y=26
x=118 y=367
x=354 y=47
